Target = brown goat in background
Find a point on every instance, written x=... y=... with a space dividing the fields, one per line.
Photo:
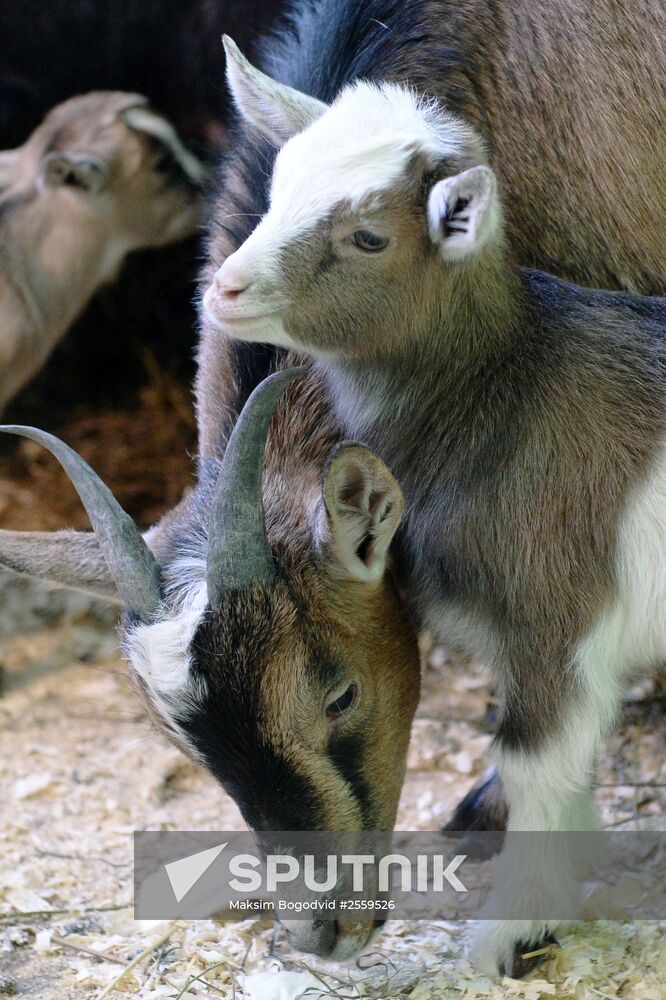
x=102 y=176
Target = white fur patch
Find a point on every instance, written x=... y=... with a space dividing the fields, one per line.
x=359 y=147
x=631 y=636
x=242 y=321
x=160 y=654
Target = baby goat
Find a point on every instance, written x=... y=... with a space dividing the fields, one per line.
x=524 y=417
x=102 y=175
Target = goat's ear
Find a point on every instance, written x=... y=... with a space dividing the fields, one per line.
x=9 y=167
x=362 y=507
x=143 y=119
x=463 y=212
x=66 y=170
x=69 y=559
x=278 y=111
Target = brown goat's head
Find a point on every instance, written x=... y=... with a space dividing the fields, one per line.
x=109 y=158
x=290 y=671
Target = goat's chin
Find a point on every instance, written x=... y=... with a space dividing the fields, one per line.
x=258 y=329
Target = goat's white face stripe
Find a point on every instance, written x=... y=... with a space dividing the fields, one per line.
x=160 y=652
x=359 y=147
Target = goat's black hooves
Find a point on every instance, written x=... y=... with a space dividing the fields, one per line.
x=527 y=955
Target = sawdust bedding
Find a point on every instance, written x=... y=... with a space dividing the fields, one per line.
x=80 y=770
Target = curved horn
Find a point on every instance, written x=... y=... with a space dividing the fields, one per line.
x=238 y=552
x=130 y=561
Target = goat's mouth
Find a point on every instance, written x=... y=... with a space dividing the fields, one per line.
x=246 y=321
x=337 y=941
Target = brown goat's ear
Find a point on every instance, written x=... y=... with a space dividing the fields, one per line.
x=143 y=119
x=278 y=111
x=463 y=213
x=9 y=167
x=67 y=170
x=363 y=505
x=69 y=559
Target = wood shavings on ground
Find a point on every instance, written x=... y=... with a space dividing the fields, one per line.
x=80 y=770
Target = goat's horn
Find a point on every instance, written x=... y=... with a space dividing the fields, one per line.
x=130 y=561
x=238 y=551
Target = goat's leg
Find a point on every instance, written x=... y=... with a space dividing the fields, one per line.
x=547 y=789
x=483 y=808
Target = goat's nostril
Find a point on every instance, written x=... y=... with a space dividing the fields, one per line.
x=231 y=287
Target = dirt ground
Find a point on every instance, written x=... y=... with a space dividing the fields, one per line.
x=80 y=770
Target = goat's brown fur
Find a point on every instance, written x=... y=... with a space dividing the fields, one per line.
x=524 y=416
x=283 y=647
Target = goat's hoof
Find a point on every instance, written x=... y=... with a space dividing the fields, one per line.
x=527 y=955
x=510 y=947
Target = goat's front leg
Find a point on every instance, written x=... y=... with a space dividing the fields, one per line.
x=546 y=765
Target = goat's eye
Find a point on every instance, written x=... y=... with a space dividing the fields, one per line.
x=342 y=703
x=370 y=242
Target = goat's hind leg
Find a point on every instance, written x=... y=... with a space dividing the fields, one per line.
x=483 y=808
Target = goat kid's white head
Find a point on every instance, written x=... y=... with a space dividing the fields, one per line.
x=371 y=198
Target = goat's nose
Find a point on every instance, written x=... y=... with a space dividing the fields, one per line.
x=231 y=283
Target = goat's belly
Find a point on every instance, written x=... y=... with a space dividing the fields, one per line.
x=629 y=634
